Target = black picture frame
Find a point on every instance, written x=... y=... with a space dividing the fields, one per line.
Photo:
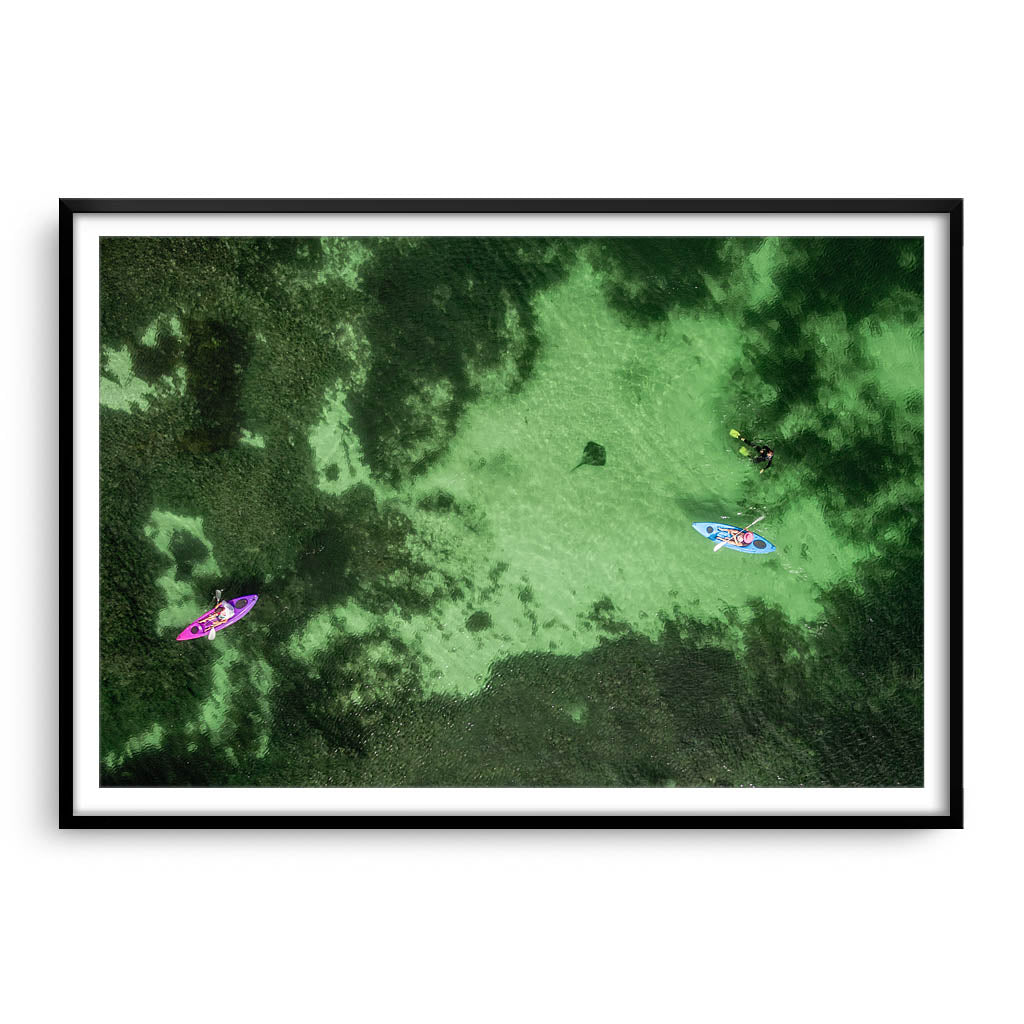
x=952 y=209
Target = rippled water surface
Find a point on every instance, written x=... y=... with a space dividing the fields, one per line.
x=378 y=437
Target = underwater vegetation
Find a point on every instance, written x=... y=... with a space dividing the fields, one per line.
x=379 y=436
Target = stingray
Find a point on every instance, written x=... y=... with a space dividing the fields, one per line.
x=593 y=455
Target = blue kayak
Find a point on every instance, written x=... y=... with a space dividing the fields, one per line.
x=731 y=534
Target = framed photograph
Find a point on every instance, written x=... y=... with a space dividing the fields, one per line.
x=535 y=513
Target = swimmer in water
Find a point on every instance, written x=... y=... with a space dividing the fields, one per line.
x=761 y=453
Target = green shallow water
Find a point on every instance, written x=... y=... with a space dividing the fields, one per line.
x=378 y=436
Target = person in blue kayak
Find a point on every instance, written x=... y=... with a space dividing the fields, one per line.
x=761 y=452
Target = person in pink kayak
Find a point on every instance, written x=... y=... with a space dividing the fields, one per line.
x=222 y=611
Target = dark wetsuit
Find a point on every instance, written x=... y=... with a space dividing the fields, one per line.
x=764 y=454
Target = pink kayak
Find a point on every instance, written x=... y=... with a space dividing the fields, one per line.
x=221 y=615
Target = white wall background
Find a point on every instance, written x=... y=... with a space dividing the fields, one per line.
x=532 y=99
